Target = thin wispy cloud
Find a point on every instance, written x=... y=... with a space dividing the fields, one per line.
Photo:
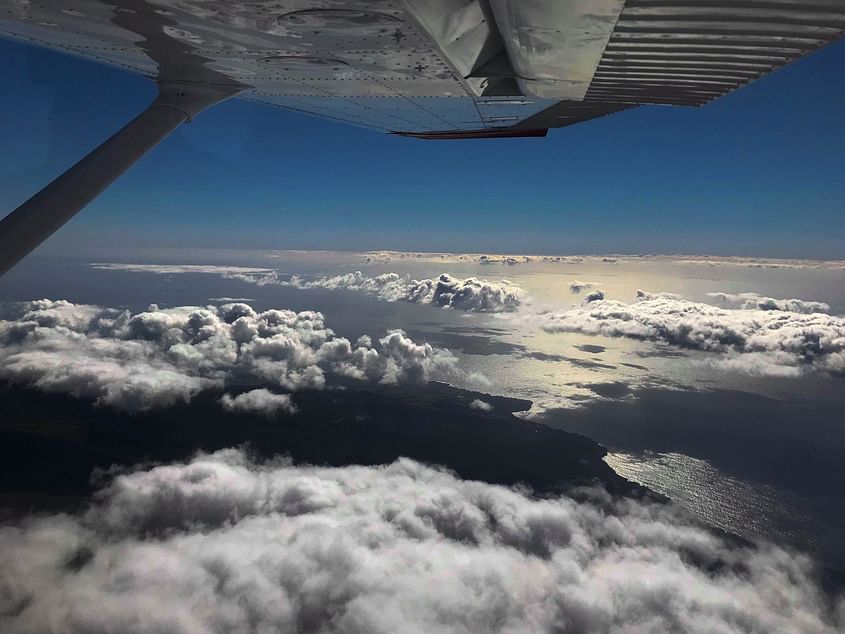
x=385 y=257
x=177 y=269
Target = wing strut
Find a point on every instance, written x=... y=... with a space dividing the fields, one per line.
x=40 y=216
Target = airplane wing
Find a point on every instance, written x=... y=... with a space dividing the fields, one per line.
x=430 y=69
x=443 y=68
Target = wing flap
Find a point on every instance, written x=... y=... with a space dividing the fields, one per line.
x=685 y=52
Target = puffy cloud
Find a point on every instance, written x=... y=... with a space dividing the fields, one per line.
x=261 y=401
x=403 y=360
x=158 y=357
x=377 y=259
x=758 y=364
x=569 y=259
x=782 y=342
x=753 y=301
x=576 y=286
x=469 y=294
x=483 y=406
x=594 y=296
x=446 y=291
x=641 y=295
x=221 y=544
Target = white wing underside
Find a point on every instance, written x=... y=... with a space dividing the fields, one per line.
x=442 y=67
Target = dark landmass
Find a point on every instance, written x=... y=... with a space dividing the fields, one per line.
x=50 y=444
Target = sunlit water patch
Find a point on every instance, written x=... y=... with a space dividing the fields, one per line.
x=750 y=509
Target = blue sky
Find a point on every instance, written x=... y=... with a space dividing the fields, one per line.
x=760 y=172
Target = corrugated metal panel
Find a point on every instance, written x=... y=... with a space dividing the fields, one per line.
x=689 y=52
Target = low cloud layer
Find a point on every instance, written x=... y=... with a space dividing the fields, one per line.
x=576 y=286
x=161 y=356
x=594 y=296
x=383 y=257
x=446 y=291
x=641 y=295
x=470 y=294
x=756 y=341
x=754 y=301
x=221 y=544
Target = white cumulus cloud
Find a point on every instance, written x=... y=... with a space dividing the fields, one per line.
x=781 y=342
x=260 y=401
x=594 y=296
x=221 y=544
x=510 y=260
x=161 y=356
x=641 y=295
x=470 y=294
x=754 y=301
x=483 y=406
